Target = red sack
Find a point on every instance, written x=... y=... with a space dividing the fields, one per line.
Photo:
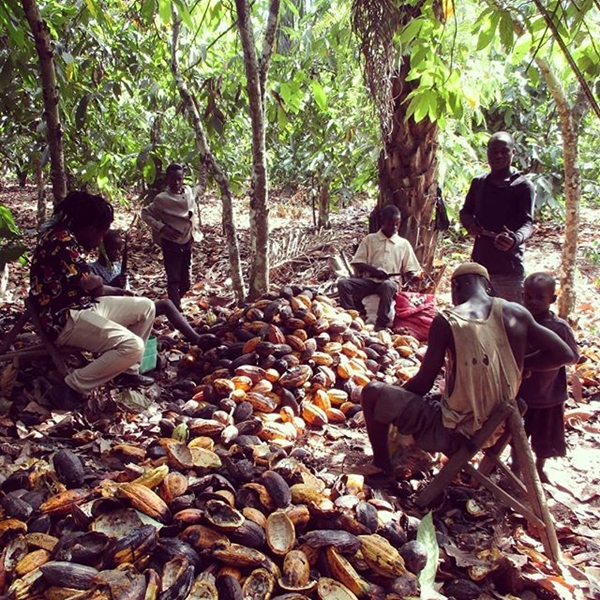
x=414 y=313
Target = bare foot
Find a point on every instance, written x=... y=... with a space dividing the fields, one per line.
x=542 y=475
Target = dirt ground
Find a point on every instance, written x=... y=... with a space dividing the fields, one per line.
x=301 y=255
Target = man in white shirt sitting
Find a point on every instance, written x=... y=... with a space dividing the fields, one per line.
x=380 y=260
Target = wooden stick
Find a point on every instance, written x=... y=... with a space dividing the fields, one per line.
x=14 y=332
x=535 y=491
x=459 y=459
x=504 y=497
x=50 y=347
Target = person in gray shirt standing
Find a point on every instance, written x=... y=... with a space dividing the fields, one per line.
x=170 y=215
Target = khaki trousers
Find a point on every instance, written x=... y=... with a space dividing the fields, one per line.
x=117 y=328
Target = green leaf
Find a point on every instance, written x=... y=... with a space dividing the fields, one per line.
x=91 y=6
x=81 y=111
x=319 y=94
x=426 y=535
x=433 y=112
x=133 y=400
x=421 y=108
x=291 y=6
x=102 y=181
x=8 y=227
x=411 y=31
x=185 y=15
x=164 y=10
x=507 y=32
x=11 y=254
x=488 y=30
x=521 y=48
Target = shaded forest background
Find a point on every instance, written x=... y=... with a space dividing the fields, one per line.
x=321 y=100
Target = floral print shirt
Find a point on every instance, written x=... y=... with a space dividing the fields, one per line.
x=57 y=269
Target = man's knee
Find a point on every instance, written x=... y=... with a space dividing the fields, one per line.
x=388 y=288
x=344 y=284
x=149 y=307
x=131 y=347
x=370 y=393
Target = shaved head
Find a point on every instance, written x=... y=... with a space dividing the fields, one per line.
x=542 y=280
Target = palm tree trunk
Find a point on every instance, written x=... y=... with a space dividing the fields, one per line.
x=408 y=172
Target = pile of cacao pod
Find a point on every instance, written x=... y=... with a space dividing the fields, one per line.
x=297 y=360
x=202 y=521
x=224 y=505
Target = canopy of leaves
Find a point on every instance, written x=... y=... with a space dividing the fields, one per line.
x=122 y=118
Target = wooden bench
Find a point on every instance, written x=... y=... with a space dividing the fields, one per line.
x=45 y=347
x=532 y=505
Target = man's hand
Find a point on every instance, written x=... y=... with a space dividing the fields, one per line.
x=379 y=273
x=109 y=290
x=505 y=240
x=169 y=232
x=92 y=284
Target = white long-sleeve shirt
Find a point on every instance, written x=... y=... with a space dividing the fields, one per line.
x=175 y=210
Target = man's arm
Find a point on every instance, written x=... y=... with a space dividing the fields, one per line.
x=94 y=285
x=525 y=210
x=440 y=339
x=467 y=212
x=110 y=290
x=370 y=270
x=507 y=239
x=360 y=261
x=151 y=216
x=411 y=267
x=550 y=351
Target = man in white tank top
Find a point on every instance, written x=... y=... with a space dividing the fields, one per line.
x=482 y=343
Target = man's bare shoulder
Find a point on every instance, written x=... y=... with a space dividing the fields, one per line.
x=515 y=310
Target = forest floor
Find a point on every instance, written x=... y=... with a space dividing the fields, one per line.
x=490 y=546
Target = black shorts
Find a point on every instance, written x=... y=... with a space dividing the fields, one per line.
x=418 y=416
x=546 y=427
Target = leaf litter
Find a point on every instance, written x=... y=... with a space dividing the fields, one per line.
x=493 y=549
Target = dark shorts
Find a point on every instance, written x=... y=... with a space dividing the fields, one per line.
x=418 y=416
x=546 y=427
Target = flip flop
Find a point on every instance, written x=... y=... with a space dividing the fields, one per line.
x=374 y=476
x=362 y=469
x=380 y=479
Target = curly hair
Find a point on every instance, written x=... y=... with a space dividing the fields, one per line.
x=81 y=209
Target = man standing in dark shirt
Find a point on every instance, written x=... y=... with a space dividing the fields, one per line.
x=498 y=211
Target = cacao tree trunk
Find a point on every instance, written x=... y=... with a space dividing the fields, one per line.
x=570 y=139
x=43 y=45
x=569 y=121
x=41 y=190
x=408 y=172
x=324 y=199
x=212 y=165
x=256 y=72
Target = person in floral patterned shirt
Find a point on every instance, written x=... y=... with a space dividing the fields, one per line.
x=77 y=309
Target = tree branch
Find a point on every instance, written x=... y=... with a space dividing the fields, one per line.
x=556 y=35
x=212 y=165
x=268 y=44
